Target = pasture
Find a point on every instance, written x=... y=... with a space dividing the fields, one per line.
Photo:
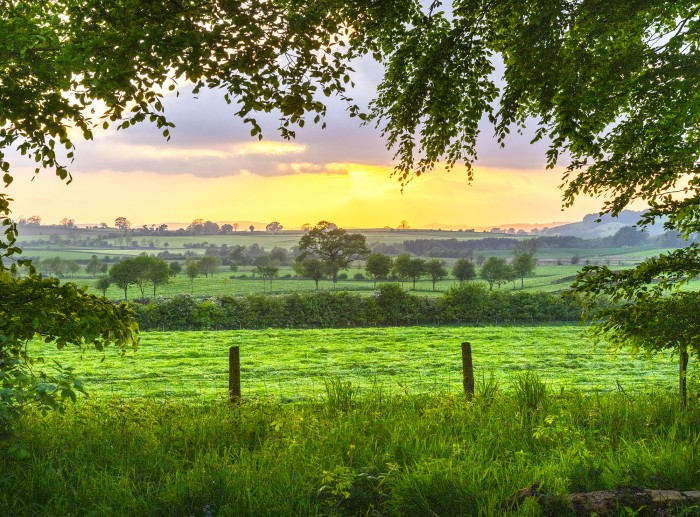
x=354 y=422
x=297 y=364
x=553 y=273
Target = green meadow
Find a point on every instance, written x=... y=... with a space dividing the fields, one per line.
x=353 y=422
x=296 y=364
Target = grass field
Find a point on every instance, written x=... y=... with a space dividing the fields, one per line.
x=378 y=427
x=547 y=278
x=296 y=364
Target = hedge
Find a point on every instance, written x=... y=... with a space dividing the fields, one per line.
x=389 y=305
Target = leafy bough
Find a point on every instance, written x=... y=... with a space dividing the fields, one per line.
x=61 y=314
x=644 y=308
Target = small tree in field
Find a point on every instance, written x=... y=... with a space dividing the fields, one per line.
x=408 y=267
x=103 y=284
x=192 y=271
x=333 y=246
x=378 y=266
x=310 y=267
x=464 y=270
x=436 y=270
x=524 y=261
x=208 y=265
x=496 y=271
x=267 y=272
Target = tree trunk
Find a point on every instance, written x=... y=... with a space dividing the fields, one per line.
x=683 y=372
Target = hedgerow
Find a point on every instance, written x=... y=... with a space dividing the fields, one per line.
x=389 y=305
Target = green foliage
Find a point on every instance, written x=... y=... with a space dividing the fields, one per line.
x=103 y=284
x=496 y=271
x=310 y=267
x=139 y=271
x=435 y=269
x=464 y=270
x=407 y=267
x=390 y=305
x=268 y=271
x=56 y=313
x=466 y=303
x=389 y=454
x=524 y=264
x=334 y=247
x=378 y=266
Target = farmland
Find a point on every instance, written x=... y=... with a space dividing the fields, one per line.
x=554 y=272
x=377 y=426
x=357 y=421
x=296 y=364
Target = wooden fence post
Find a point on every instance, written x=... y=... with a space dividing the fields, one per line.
x=234 y=375
x=467 y=370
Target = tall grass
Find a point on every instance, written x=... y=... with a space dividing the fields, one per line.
x=377 y=452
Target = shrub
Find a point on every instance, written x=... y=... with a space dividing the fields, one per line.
x=469 y=303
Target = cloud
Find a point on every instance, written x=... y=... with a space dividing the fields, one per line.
x=210 y=141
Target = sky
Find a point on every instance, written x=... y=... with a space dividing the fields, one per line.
x=212 y=169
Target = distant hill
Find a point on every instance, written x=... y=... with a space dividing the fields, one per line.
x=591 y=228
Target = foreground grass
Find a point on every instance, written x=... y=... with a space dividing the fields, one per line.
x=292 y=364
x=347 y=454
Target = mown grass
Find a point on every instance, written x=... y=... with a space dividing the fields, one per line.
x=293 y=364
x=376 y=453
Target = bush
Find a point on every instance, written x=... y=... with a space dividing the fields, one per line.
x=468 y=303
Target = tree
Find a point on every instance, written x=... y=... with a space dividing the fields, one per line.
x=94 y=266
x=236 y=226
x=278 y=256
x=310 y=267
x=378 y=266
x=226 y=229
x=68 y=63
x=175 y=268
x=268 y=271
x=274 y=226
x=642 y=319
x=123 y=274
x=72 y=266
x=34 y=220
x=334 y=247
x=408 y=267
x=67 y=223
x=62 y=314
x=524 y=261
x=436 y=270
x=158 y=273
x=210 y=228
x=523 y=265
x=403 y=225
x=251 y=228
x=628 y=236
x=103 y=284
x=402 y=266
x=192 y=271
x=122 y=223
x=464 y=270
x=196 y=227
x=496 y=271
x=208 y=265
